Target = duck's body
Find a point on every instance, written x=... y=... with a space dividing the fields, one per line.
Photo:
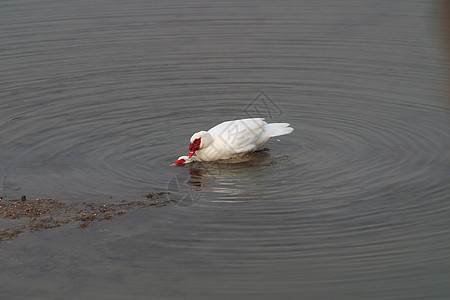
x=233 y=138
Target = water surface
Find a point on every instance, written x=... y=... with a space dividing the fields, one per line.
x=98 y=98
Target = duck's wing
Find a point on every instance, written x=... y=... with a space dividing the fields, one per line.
x=239 y=135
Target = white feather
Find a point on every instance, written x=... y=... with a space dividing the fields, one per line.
x=233 y=138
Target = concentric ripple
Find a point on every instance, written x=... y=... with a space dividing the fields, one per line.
x=97 y=98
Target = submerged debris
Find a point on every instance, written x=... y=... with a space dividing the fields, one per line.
x=50 y=213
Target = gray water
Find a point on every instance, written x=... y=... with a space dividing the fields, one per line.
x=97 y=98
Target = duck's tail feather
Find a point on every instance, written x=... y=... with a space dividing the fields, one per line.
x=276 y=129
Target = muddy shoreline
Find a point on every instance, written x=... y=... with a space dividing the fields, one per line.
x=18 y=216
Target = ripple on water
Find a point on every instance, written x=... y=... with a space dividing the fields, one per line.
x=100 y=101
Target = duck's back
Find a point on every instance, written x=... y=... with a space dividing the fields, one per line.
x=239 y=135
x=235 y=126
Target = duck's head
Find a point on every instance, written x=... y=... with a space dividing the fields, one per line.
x=198 y=141
x=182 y=160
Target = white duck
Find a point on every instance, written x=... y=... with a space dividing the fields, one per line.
x=233 y=138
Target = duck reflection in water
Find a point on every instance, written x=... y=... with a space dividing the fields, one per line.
x=227 y=172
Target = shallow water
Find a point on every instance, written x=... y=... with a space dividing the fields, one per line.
x=98 y=98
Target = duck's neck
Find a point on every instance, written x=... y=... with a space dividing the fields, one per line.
x=193 y=158
x=207 y=140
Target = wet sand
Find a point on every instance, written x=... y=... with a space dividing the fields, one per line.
x=18 y=216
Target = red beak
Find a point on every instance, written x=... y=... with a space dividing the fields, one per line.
x=191 y=153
